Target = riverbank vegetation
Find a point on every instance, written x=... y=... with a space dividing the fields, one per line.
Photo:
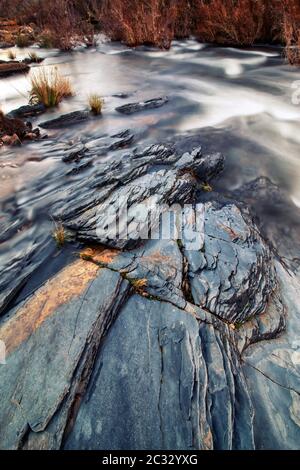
x=63 y=23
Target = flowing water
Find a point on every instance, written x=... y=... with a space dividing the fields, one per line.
x=240 y=99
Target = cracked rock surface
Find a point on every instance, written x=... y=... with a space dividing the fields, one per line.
x=150 y=344
x=156 y=175
x=232 y=274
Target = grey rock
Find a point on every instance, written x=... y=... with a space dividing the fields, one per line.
x=174 y=369
x=158 y=346
x=272 y=373
x=154 y=176
x=27 y=111
x=232 y=275
x=132 y=108
x=46 y=371
x=98 y=146
x=66 y=120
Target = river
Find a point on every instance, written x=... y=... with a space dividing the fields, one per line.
x=241 y=100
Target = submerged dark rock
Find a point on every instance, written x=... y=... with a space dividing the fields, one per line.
x=132 y=108
x=122 y=96
x=81 y=155
x=66 y=120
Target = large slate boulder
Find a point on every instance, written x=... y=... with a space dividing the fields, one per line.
x=51 y=342
x=207 y=335
x=176 y=366
x=152 y=176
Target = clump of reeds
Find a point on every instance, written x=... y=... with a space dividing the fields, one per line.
x=49 y=87
x=96 y=104
x=59 y=234
x=34 y=57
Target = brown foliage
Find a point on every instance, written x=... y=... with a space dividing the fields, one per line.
x=291 y=30
x=230 y=22
x=60 y=20
x=157 y=22
x=62 y=23
x=141 y=21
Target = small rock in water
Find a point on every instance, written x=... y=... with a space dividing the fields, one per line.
x=122 y=95
x=36 y=60
x=132 y=108
x=66 y=120
x=27 y=111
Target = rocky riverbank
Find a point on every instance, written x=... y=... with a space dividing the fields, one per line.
x=149 y=252
x=206 y=337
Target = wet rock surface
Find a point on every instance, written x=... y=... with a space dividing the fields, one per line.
x=232 y=274
x=205 y=330
x=132 y=108
x=177 y=365
x=156 y=175
x=274 y=205
x=12 y=67
x=66 y=120
x=27 y=111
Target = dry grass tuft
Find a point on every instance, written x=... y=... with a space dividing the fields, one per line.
x=34 y=57
x=96 y=104
x=11 y=55
x=139 y=285
x=59 y=234
x=49 y=87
